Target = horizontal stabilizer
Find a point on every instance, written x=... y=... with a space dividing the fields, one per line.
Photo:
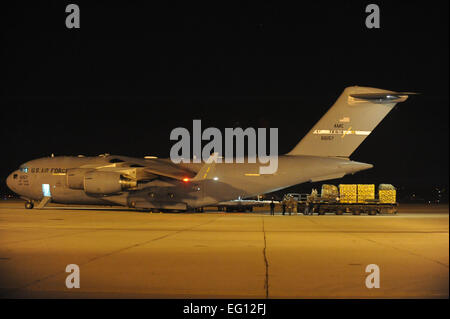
x=382 y=97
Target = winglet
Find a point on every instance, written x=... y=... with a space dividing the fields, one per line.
x=207 y=168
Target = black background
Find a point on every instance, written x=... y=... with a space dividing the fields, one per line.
x=133 y=72
x=275 y=308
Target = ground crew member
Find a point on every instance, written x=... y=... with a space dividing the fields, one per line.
x=272 y=208
x=288 y=206
x=284 y=207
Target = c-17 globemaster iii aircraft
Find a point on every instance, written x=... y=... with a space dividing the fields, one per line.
x=159 y=184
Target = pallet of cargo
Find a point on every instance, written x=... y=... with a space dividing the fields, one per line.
x=355 y=199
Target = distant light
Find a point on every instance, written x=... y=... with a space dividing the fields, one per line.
x=186 y=179
x=216 y=178
x=150 y=157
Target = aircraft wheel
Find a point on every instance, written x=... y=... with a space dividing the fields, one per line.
x=29 y=205
x=339 y=212
x=372 y=212
x=356 y=212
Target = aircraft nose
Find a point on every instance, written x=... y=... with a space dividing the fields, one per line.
x=9 y=181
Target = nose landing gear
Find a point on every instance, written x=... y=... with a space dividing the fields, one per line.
x=29 y=205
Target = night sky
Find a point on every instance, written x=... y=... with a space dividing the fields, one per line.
x=132 y=73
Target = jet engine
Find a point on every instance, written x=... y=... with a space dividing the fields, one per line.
x=75 y=177
x=106 y=183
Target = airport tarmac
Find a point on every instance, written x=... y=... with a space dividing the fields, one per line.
x=128 y=254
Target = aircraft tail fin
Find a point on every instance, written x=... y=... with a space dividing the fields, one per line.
x=352 y=118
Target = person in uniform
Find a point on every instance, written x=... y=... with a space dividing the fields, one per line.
x=272 y=208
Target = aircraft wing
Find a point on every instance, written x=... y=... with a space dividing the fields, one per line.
x=141 y=169
x=168 y=169
x=144 y=169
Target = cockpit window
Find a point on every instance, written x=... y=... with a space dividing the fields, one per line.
x=116 y=160
x=24 y=169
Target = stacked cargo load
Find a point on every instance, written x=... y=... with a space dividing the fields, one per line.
x=366 y=193
x=329 y=191
x=348 y=193
x=387 y=193
x=355 y=199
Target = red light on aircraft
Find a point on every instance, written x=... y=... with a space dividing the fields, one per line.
x=186 y=179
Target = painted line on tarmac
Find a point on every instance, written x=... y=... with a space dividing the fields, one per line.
x=266 y=262
x=382 y=244
x=37 y=281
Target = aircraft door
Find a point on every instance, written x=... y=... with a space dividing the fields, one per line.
x=46 y=190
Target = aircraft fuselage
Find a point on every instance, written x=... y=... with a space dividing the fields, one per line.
x=227 y=181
